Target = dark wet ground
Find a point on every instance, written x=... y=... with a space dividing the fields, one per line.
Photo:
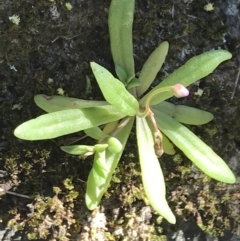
x=50 y=49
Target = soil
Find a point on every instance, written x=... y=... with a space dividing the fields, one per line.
x=48 y=51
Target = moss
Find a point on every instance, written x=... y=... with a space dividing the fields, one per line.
x=51 y=42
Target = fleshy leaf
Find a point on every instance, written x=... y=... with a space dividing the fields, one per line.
x=120 y=21
x=184 y=114
x=194 y=148
x=102 y=170
x=152 y=176
x=151 y=67
x=114 y=145
x=133 y=83
x=109 y=127
x=56 y=103
x=77 y=149
x=114 y=91
x=100 y=147
x=168 y=146
x=95 y=133
x=192 y=116
x=121 y=74
x=193 y=70
x=64 y=122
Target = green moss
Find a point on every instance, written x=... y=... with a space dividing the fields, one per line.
x=42 y=47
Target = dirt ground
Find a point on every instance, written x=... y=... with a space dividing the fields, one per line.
x=46 y=47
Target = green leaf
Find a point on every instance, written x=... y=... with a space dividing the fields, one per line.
x=100 y=147
x=151 y=67
x=133 y=83
x=64 y=122
x=194 y=69
x=120 y=21
x=167 y=146
x=166 y=107
x=95 y=133
x=184 y=114
x=114 y=91
x=152 y=176
x=96 y=182
x=114 y=145
x=78 y=149
x=121 y=74
x=192 y=116
x=109 y=127
x=194 y=148
x=56 y=103
x=102 y=171
x=83 y=149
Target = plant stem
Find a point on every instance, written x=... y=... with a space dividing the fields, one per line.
x=148 y=100
x=157 y=136
x=119 y=127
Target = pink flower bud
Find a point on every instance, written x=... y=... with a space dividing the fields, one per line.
x=180 y=91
